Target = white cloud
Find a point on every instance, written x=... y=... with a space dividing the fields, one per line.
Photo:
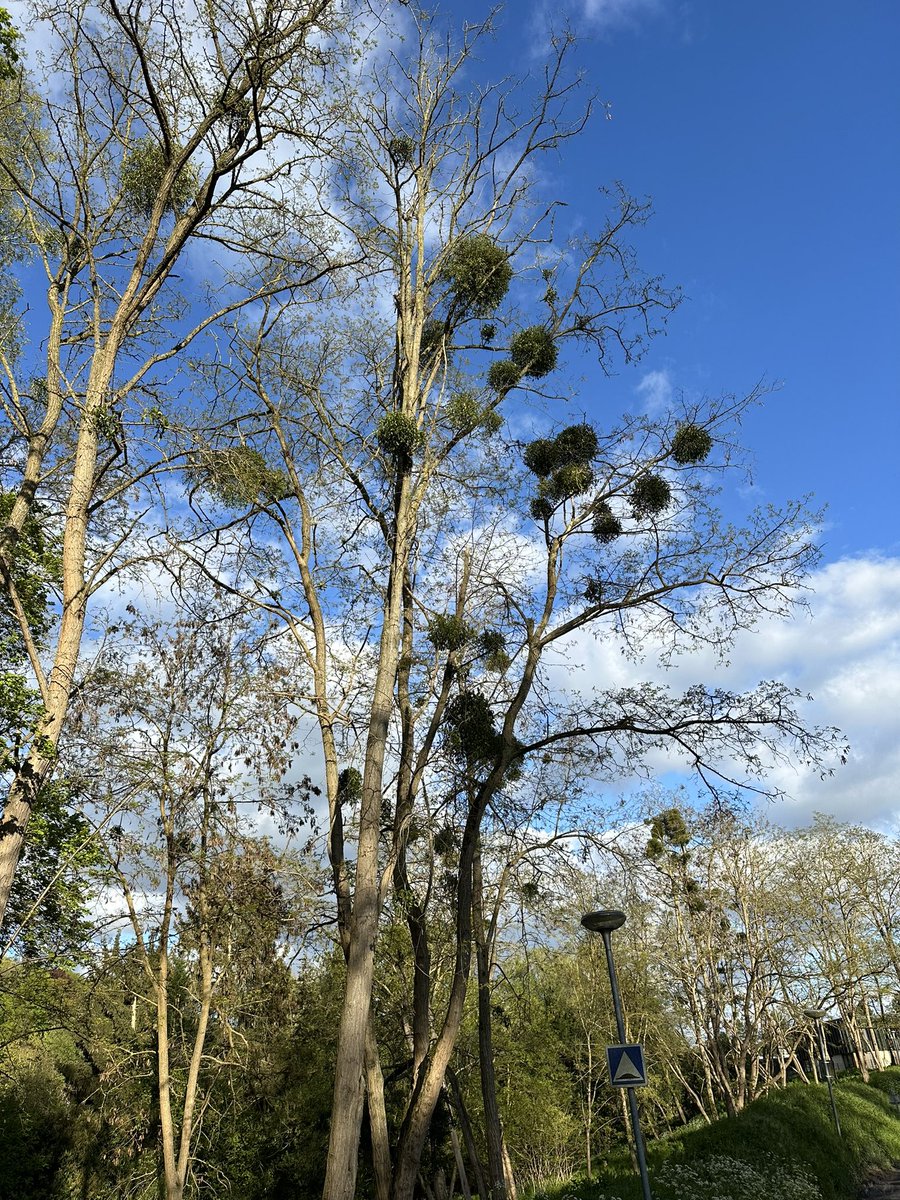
x=655 y=389
x=845 y=652
x=619 y=14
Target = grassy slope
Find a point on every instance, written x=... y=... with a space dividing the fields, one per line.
x=795 y=1125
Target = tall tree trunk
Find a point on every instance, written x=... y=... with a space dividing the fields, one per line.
x=492 y=1129
x=378 y=1127
x=465 y=1126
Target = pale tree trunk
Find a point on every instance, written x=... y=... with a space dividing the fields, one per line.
x=378 y=1127
x=493 y=1131
x=39 y=764
x=350 y=1066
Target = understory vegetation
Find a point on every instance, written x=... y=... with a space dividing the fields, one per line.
x=783 y=1146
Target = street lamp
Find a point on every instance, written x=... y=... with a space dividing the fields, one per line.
x=605 y=922
x=818 y=1016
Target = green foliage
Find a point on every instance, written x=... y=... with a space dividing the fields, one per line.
x=239 y=475
x=349 y=786
x=650 y=495
x=719 y=1176
x=52 y=886
x=534 y=351
x=402 y=150
x=540 y=456
x=691 y=444
x=492 y=645
x=574 y=479
x=563 y=466
x=469 y=726
x=35 y=564
x=667 y=830
x=575 y=445
x=448 y=632
x=464 y=413
x=605 y=525
x=398 y=435
x=478 y=273
x=9 y=55
x=782 y=1145
x=503 y=375
x=488 y=332
x=143 y=170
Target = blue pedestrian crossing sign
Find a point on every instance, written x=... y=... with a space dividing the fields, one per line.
x=626 y=1066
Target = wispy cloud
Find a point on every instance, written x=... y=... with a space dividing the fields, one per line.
x=655 y=389
x=845 y=652
x=607 y=15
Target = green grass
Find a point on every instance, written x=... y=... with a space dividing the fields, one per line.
x=784 y=1136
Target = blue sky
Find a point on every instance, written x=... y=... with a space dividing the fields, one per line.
x=766 y=135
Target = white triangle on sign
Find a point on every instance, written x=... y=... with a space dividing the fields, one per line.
x=626 y=1070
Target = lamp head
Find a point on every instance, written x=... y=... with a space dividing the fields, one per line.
x=814 y=1014
x=603 y=921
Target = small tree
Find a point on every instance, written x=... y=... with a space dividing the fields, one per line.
x=177 y=731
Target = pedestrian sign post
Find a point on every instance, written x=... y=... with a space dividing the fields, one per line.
x=626 y=1066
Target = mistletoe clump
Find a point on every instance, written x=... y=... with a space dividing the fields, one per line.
x=478 y=273
x=239 y=475
x=691 y=444
x=503 y=376
x=142 y=174
x=469 y=726
x=534 y=351
x=650 y=496
x=465 y=413
x=605 y=525
x=563 y=467
x=398 y=435
x=402 y=149
x=447 y=631
x=492 y=645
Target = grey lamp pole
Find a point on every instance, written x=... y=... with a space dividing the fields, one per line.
x=818 y=1017
x=604 y=922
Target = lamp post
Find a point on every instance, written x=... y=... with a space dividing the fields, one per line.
x=605 y=922
x=818 y=1017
